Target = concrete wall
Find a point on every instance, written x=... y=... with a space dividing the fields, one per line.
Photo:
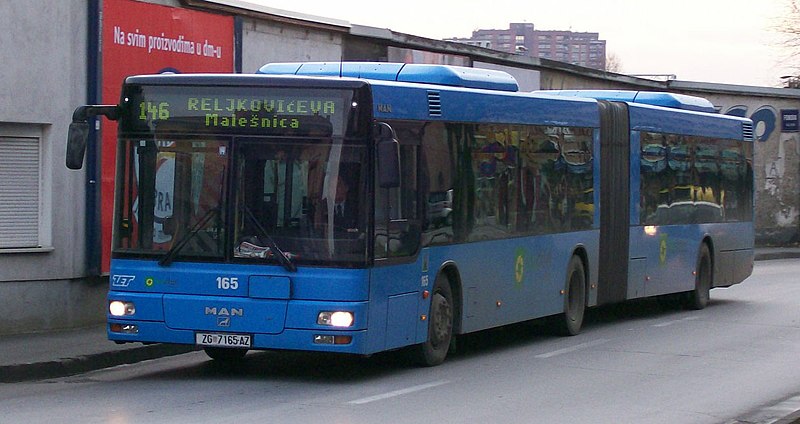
x=43 y=53
x=264 y=42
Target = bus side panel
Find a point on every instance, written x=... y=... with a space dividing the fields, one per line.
x=670 y=254
x=733 y=252
x=396 y=303
x=507 y=281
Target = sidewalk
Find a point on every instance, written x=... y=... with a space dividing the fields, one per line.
x=37 y=356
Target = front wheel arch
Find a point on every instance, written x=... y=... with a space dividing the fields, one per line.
x=441 y=324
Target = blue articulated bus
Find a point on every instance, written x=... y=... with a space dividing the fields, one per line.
x=364 y=207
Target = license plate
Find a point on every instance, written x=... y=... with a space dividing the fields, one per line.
x=222 y=340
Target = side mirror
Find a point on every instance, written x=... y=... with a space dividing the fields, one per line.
x=388 y=156
x=79 y=131
x=76 y=144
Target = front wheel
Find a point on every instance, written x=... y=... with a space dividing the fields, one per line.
x=571 y=321
x=440 y=326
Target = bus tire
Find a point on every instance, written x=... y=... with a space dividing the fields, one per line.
x=225 y=355
x=571 y=321
x=698 y=298
x=440 y=325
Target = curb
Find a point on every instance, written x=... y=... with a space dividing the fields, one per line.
x=767 y=256
x=81 y=364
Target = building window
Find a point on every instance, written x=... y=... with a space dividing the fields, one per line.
x=20 y=187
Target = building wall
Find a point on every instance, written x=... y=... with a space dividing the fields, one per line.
x=44 y=78
x=264 y=42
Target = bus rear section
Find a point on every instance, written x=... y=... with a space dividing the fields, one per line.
x=686 y=217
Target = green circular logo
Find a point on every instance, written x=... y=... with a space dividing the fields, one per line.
x=519 y=266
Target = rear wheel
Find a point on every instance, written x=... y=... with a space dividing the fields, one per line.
x=571 y=321
x=225 y=355
x=698 y=298
x=440 y=326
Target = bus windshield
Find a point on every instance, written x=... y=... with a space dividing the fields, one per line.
x=308 y=198
x=305 y=199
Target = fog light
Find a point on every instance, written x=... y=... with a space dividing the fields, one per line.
x=321 y=339
x=336 y=319
x=124 y=328
x=119 y=308
x=333 y=340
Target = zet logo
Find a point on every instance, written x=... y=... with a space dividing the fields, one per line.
x=519 y=266
x=662 y=249
x=149 y=282
x=122 y=280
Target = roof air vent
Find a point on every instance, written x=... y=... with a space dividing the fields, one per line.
x=747 y=131
x=434 y=103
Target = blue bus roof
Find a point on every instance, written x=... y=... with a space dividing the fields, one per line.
x=670 y=100
x=454 y=76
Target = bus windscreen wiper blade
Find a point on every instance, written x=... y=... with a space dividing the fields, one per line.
x=199 y=225
x=283 y=258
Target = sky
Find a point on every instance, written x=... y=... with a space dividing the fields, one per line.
x=719 y=41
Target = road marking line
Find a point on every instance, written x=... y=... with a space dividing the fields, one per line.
x=573 y=348
x=668 y=323
x=396 y=393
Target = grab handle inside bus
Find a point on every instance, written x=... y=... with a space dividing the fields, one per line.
x=388 y=156
x=79 y=131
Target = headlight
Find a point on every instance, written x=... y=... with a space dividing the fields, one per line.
x=119 y=308
x=336 y=318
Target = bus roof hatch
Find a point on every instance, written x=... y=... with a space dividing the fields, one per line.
x=654 y=98
x=454 y=76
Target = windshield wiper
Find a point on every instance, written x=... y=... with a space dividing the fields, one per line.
x=283 y=258
x=199 y=225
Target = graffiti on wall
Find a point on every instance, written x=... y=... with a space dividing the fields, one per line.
x=778 y=127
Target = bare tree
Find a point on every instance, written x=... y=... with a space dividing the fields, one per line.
x=613 y=63
x=789 y=26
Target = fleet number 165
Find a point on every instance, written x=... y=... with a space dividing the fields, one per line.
x=228 y=283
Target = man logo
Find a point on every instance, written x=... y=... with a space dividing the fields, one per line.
x=226 y=312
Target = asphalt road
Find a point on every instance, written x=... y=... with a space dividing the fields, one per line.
x=733 y=362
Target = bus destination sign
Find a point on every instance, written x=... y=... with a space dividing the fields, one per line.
x=189 y=109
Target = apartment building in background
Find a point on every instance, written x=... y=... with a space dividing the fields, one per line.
x=578 y=48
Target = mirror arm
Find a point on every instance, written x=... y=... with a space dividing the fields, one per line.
x=83 y=113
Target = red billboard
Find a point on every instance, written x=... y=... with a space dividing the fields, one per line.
x=143 y=38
